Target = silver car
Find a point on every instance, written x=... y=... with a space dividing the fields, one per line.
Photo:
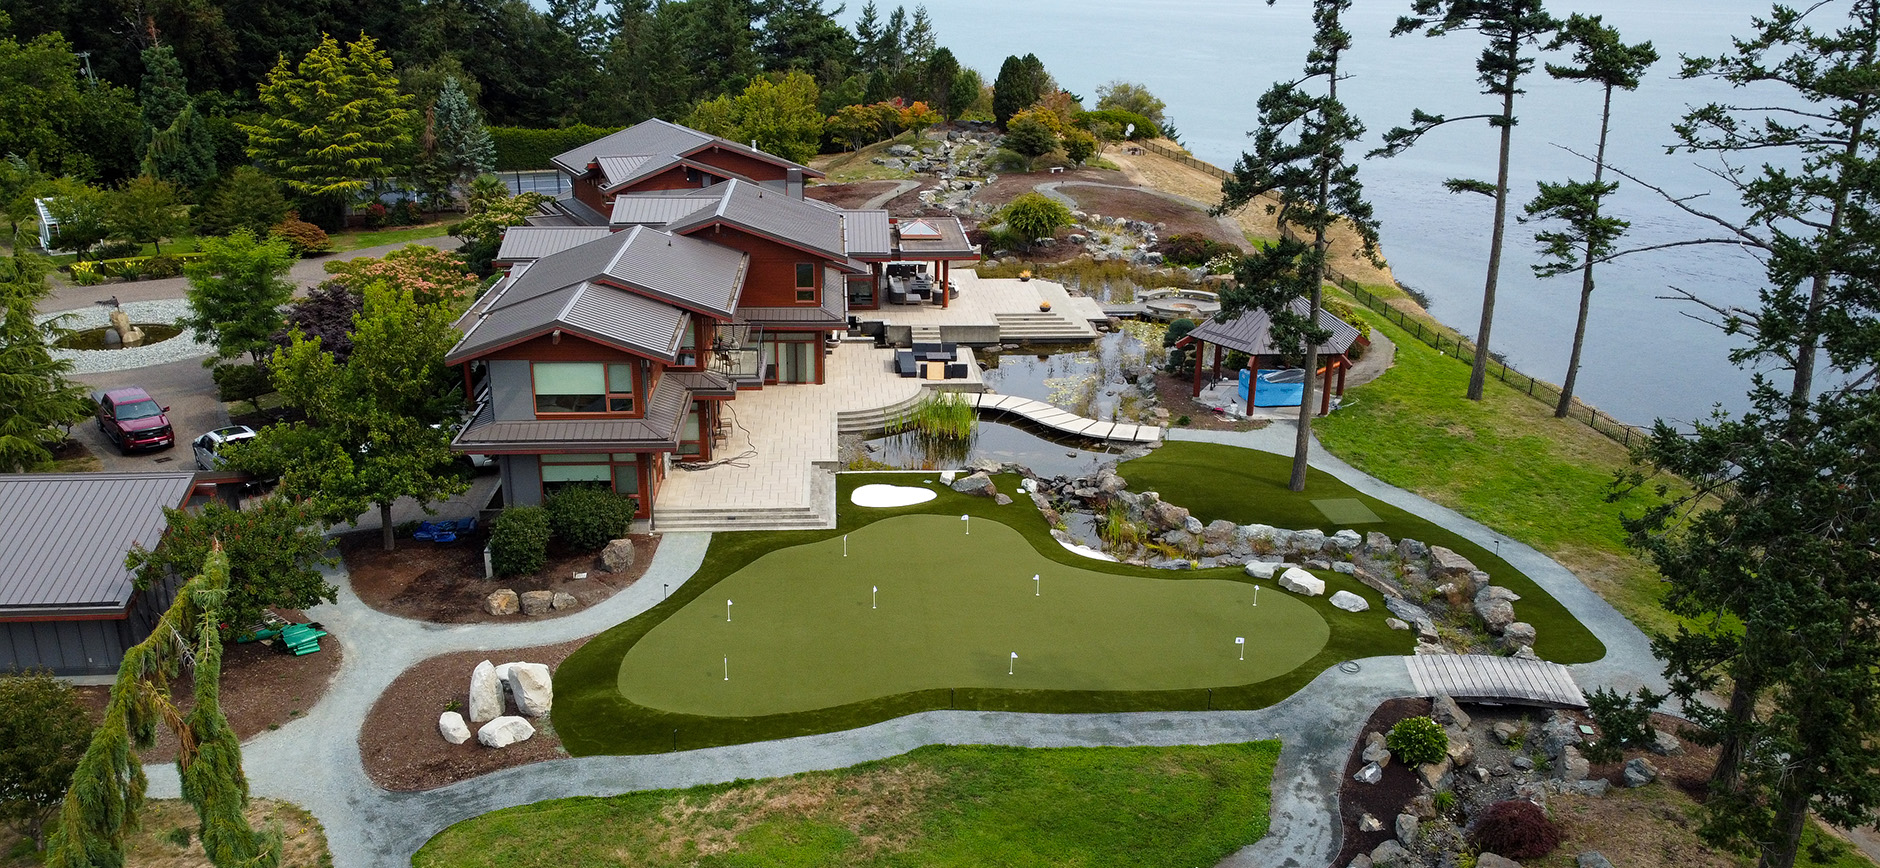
x=209 y=446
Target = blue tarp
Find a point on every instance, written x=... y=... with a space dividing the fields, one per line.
x=1272 y=394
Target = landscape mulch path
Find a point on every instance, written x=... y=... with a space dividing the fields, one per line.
x=1011 y=186
x=1179 y=219
x=262 y=688
x=443 y=582
x=400 y=743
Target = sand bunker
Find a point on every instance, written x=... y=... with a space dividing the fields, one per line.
x=890 y=495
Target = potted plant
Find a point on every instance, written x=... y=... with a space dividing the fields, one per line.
x=1044 y=306
x=1025 y=275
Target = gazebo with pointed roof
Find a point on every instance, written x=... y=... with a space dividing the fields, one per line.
x=1252 y=333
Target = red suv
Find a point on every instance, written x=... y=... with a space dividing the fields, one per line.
x=133 y=420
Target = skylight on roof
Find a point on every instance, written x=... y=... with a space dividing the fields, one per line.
x=920 y=230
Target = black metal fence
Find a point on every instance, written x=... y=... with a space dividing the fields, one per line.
x=1457 y=347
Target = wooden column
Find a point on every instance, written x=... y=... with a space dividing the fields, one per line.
x=1198 y=346
x=946 y=298
x=1253 y=381
x=1217 y=361
x=1344 y=364
x=1325 y=391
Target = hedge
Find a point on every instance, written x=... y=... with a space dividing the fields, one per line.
x=519 y=149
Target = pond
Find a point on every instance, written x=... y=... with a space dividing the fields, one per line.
x=93 y=338
x=1097 y=380
x=998 y=442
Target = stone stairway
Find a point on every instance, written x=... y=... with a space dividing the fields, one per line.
x=925 y=334
x=1042 y=327
x=873 y=420
x=817 y=514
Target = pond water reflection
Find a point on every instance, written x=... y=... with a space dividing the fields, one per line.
x=997 y=442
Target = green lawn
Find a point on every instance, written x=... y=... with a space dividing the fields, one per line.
x=1504 y=461
x=356 y=240
x=1246 y=486
x=952 y=607
x=937 y=806
x=593 y=717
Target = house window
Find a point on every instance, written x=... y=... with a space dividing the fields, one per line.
x=688 y=345
x=584 y=387
x=805 y=281
x=619 y=471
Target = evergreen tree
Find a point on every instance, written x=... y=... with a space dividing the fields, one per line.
x=645 y=72
x=236 y=291
x=1588 y=236
x=1513 y=28
x=245 y=200
x=891 y=45
x=1022 y=81
x=868 y=38
x=1299 y=159
x=463 y=148
x=333 y=124
x=100 y=810
x=919 y=43
x=800 y=35
x=721 y=43
x=183 y=152
x=164 y=91
x=38 y=405
x=937 y=81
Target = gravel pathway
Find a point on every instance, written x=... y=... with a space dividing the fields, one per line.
x=315 y=761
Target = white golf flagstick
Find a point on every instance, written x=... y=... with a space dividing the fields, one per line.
x=1242 y=642
x=1012 y=666
x=727 y=669
x=727 y=611
x=969 y=524
x=845 y=545
x=1256 y=595
x=872 y=591
x=1035 y=585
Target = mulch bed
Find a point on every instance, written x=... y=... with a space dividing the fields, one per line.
x=262 y=688
x=400 y=743
x=849 y=195
x=1384 y=799
x=1010 y=186
x=1176 y=395
x=443 y=582
x=1180 y=219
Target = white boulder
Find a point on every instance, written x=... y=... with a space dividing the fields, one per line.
x=1299 y=581
x=505 y=731
x=486 y=693
x=1261 y=569
x=532 y=687
x=451 y=724
x=1350 y=602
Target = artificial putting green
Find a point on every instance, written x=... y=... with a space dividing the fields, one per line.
x=805 y=628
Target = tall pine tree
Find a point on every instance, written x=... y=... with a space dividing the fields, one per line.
x=1299 y=159
x=38 y=405
x=1513 y=28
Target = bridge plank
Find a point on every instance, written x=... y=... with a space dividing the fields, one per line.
x=1502 y=679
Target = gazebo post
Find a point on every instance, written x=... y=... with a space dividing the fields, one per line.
x=946 y=298
x=1344 y=364
x=1199 y=347
x=1253 y=380
x=1325 y=391
x=1217 y=361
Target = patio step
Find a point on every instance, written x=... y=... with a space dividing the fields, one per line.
x=871 y=421
x=925 y=334
x=818 y=514
x=1041 y=327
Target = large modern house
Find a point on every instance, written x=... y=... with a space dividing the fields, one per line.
x=683 y=269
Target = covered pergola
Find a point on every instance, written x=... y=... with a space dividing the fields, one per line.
x=1252 y=333
x=885 y=243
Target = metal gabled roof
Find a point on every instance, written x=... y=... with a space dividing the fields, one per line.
x=771 y=213
x=1252 y=332
x=602 y=313
x=660 y=140
x=535 y=242
x=63 y=537
x=867 y=233
x=659 y=209
x=685 y=271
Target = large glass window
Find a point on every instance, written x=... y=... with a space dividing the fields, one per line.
x=620 y=471
x=688 y=345
x=790 y=362
x=584 y=387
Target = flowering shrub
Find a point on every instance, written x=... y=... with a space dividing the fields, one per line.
x=431 y=275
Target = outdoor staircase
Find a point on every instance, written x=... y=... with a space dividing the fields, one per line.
x=818 y=514
x=875 y=420
x=1041 y=327
x=925 y=334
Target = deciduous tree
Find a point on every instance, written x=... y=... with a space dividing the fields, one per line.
x=777 y=112
x=333 y=123
x=38 y=405
x=1298 y=158
x=434 y=276
x=1599 y=56
x=1031 y=135
x=1130 y=97
x=275 y=548
x=146 y=210
x=236 y=291
x=1514 y=28
x=43 y=732
x=377 y=428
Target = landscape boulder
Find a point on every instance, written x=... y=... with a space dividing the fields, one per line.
x=1432 y=774
x=533 y=688
x=1666 y=744
x=1350 y=602
x=1573 y=766
x=1448 y=564
x=1517 y=634
x=1407 y=828
x=505 y=731
x=486 y=693
x=1593 y=859
x=502 y=602
x=1495 y=860
x=1639 y=771
x=1444 y=710
x=1346 y=540
x=977 y=484
x=1396 y=624
x=1411 y=550
x=1377 y=542
x=618 y=556
x=1391 y=854
x=1370 y=774
x=1494 y=607
x=1376 y=749
x=1299 y=581
x=1166 y=516
x=451 y=725
x=1368 y=823
x=1218 y=537
x=537 y=602
x=1308 y=541
x=1261 y=569
x=565 y=600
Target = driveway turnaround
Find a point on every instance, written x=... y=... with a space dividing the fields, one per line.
x=315 y=761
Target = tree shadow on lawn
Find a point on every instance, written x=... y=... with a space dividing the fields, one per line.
x=1245 y=486
x=593 y=718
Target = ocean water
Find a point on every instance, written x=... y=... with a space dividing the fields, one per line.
x=1645 y=358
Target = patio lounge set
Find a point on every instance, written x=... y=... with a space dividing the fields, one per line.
x=930 y=362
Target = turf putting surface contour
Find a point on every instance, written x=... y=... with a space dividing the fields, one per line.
x=920 y=603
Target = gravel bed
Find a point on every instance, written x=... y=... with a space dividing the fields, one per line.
x=183 y=346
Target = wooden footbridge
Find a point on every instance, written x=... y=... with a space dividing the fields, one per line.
x=1485 y=678
x=1040 y=413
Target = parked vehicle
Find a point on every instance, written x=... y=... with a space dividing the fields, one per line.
x=208 y=447
x=133 y=420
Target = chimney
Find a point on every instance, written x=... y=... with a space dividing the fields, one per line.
x=793 y=183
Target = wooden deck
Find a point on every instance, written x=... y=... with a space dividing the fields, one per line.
x=1483 y=678
x=1040 y=413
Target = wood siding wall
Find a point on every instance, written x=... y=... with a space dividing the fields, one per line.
x=771 y=280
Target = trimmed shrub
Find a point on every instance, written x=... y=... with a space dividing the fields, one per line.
x=1004 y=160
x=520 y=150
x=1419 y=740
x=586 y=518
x=1192 y=250
x=235 y=382
x=162 y=266
x=519 y=541
x=116 y=249
x=305 y=238
x=1517 y=829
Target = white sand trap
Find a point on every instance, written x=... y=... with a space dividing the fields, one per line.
x=890 y=495
x=1087 y=551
